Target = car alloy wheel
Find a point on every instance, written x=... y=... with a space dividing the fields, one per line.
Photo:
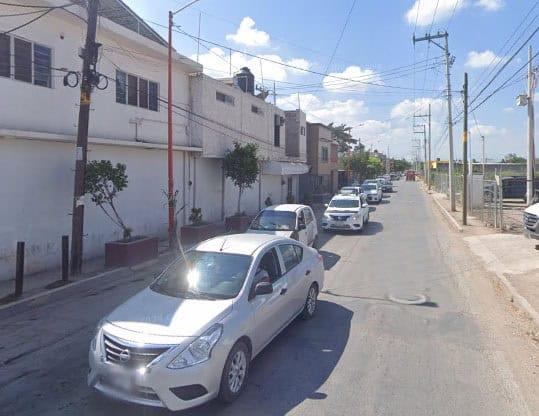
x=237 y=371
x=310 y=303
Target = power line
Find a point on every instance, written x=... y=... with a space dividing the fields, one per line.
x=340 y=36
x=35 y=6
x=29 y=22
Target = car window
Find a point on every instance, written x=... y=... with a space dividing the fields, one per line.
x=363 y=199
x=301 y=218
x=344 y=203
x=270 y=220
x=299 y=253
x=270 y=263
x=290 y=258
x=308 y=215
x=204 y=274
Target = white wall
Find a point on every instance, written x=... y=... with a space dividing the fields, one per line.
x=37 y=190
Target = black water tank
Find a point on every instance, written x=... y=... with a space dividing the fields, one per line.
x=245 y=80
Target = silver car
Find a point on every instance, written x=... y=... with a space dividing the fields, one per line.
x=191 y=335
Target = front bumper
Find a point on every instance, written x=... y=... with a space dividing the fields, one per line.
x=373 y=198
x=350 y=224
x=155 y=386
x=531 y=234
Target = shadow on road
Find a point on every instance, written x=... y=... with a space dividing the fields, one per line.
x=292 y=368
x=330 y=259
x=373 y=227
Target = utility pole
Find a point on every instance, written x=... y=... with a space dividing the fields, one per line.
x=424 y=133
x=170 y=170
x=448 y=63
x=465 y=153
x=531 y=130
x=89 y=60
x=428 y=166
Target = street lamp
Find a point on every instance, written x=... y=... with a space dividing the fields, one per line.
x=170 y=191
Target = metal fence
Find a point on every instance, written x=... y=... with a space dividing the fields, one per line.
x=486 y=201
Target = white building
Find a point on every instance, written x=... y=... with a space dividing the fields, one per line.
x=127 y=124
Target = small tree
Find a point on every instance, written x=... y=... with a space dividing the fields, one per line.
x=103 y=182
x=241 y=166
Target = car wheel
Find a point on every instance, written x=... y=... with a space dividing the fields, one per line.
x=235 y=372
x=309 y=308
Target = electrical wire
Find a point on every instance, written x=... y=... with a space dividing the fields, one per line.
x=28 y=23
x=340 y=36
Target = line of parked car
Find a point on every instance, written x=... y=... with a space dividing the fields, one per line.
x=191 y=335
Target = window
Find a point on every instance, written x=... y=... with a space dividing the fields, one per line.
x=301 y=218
x=30 y=62
x=302 y=130
x=257 y=110
x=344 y=203
x=23 y=60
x=308 y=215
x=270 y=264
x=299 y=253
x=278 y=122
x=324 y=156
x=270 y=220
x=42 y=66
x=224 y=98
x=5 y=56
x=136 y=91
x=290 y=257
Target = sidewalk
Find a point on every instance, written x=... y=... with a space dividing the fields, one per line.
x=48 y=281
x=511 y=257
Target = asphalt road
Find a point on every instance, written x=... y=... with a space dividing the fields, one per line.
x=363 y=354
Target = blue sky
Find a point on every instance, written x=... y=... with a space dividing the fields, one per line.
x=377 y=40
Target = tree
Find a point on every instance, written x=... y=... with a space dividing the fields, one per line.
x=364 y=164
x=103 y=182
x=241 y=166
x=401 y=165
x=374 y=166
x=513 y=158
x=343 y=135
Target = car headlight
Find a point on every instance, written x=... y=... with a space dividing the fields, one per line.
x=199 y=350
x=326 y=216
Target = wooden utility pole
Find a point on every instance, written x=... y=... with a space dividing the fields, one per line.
x=89 y=59
x=465 y=153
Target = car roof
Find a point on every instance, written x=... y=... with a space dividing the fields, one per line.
x=245 y=244
x=285 y=207
x=346 y=196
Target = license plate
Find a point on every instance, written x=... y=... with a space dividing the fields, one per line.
x=339 y=225
x=121 y=380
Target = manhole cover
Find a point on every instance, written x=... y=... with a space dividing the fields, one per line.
x=416 y=299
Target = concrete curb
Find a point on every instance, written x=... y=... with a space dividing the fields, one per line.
x=448 y=215
x=498 y=268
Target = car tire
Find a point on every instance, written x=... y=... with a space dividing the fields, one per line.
x=309 y=309
x=235 y=372
x=367 y=219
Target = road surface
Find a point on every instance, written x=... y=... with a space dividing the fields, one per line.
x=363 y=354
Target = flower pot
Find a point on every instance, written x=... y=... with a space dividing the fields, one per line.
x=128 y=253
x=197 y=233
x=237 y=223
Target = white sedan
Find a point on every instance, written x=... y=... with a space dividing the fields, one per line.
x=191 y=335
x=287 y=220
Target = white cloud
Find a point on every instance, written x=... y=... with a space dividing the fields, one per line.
x=425 y=10
x=247 y=34
x=332 y=83
x=216 y=65
x=346 y=111
x=406 y=108
x=483 y=59
x=508 y=109
x=490 y=5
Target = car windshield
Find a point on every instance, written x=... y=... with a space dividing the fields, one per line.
x=370 y=186
x=269 y=220
x=204 y=275
x=344 y=203
x=350 y=189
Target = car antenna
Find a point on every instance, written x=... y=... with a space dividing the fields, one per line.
x=223 y=245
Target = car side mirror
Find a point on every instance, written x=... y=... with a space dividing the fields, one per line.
x=301 y=227
x=263 y=288
x=365 y=205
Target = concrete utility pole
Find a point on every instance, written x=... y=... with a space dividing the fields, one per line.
x=426 y=145
x=465 y=153
x=531 y=130
x=89 y=59
x=448 y=63
x=428 y=165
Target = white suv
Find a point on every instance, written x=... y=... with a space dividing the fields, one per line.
x=531 y=221
x=346 y=212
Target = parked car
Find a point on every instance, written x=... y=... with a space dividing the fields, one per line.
x=373 y=190
x=387 y=185
x=346 y=212
x=354 y=189
x=287 y=220
x=190 y=336
x=531 y=221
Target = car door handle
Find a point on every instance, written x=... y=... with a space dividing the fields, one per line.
x=283 y=290
x=307 y=273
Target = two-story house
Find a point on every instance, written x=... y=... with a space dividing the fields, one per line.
x=322 y=159
x=128 y=124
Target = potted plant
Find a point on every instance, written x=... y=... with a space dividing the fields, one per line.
x=241 y=166
x=197 y=230
x=103 y=182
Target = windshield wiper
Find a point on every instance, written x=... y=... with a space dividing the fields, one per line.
x=199 y=295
